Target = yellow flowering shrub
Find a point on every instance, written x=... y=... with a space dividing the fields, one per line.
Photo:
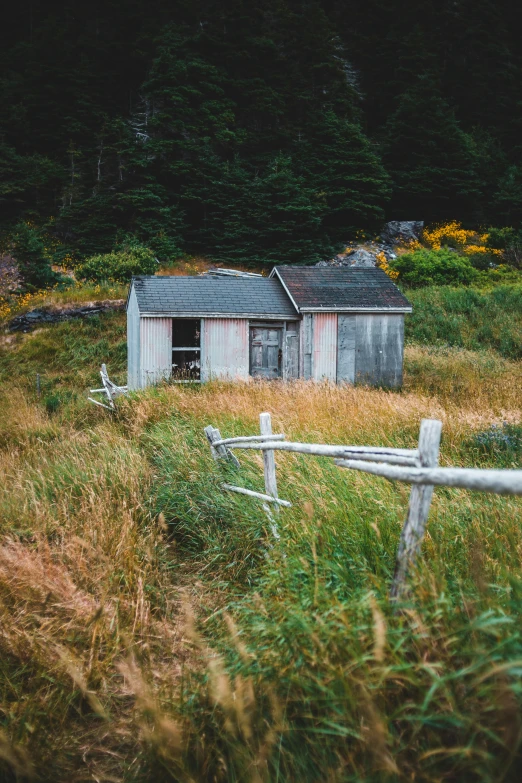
x=11 y=306
x=382 y=263
x=468 y=242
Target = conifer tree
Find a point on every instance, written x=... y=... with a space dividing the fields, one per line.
x=28 y=250
x=508 y=196
x=265 y=215
x=430 y=158
x=346 y=173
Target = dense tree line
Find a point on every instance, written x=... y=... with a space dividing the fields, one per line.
x=257 y=132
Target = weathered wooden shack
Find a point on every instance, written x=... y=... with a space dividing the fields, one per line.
x=352 y=326
x=338 y=324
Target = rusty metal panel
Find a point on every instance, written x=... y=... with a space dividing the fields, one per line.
x=225 y=348
x=379 y=349
x=324 y=359
x=133 y=341
x=155 y=350
x=346 y=330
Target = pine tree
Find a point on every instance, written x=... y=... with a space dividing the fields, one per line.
x=28 y=251
x=127 y=118
x=346 y=173
x=508 y=197
x=266 y=215
x=431 y=160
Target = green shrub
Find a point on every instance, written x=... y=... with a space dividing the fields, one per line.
x=118 y=266
x=483 y=261
x=510 y=242
x=433 y=267
x=501 y=442
x=29 y=252
x=52 y=402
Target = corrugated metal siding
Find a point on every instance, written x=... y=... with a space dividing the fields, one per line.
x=133 y=342
x=225 y=348
x=307 y=345
x=325 y=346
x=346 y=332
x=379 y=349
x=155 y=349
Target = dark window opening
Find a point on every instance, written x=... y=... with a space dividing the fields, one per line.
x=186 y=349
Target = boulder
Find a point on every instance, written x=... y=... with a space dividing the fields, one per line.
x=397 y=231
x=361 y=257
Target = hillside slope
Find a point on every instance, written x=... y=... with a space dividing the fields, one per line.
x=154 y=629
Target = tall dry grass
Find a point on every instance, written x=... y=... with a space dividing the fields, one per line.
x=152 y=627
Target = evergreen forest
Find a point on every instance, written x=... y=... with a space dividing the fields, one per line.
x=255 y=132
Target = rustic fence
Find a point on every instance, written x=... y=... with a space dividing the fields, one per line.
x=418 y=467
x=109 y=390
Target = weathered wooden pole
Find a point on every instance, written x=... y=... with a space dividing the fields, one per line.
x=220 y=451
x=265 y=427
x=418 y=509
x=252 y=494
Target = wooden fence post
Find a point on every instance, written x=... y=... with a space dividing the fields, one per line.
x=220 y=451
x=418 y=509
x=265 y=426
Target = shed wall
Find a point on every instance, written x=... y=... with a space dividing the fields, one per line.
x=225 y=350
x=324 y=340
x=155 y=350
x=379 y=349
x=307 y=346
x=133 y=342
x=346 y=336
x=291 y=352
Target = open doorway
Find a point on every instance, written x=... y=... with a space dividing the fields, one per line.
x=186 y=349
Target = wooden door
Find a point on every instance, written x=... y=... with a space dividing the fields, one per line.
x=266 y=355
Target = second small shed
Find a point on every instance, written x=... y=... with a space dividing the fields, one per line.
x=352 y=327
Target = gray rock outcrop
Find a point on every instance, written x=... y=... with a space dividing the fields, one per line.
x=361 y=257
x=397 y=231
x=372 y=252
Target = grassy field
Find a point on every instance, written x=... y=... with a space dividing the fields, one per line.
x=152 y=628
x=468 y=318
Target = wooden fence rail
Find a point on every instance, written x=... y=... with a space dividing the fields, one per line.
x=418 y=467
x=109 y=389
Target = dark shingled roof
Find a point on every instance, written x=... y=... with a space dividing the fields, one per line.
x=313 y=287
x=201 y=296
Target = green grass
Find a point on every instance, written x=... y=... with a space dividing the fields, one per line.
x=69 y=353
x=468 y=318
x=153 y=628
x=352 y=686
